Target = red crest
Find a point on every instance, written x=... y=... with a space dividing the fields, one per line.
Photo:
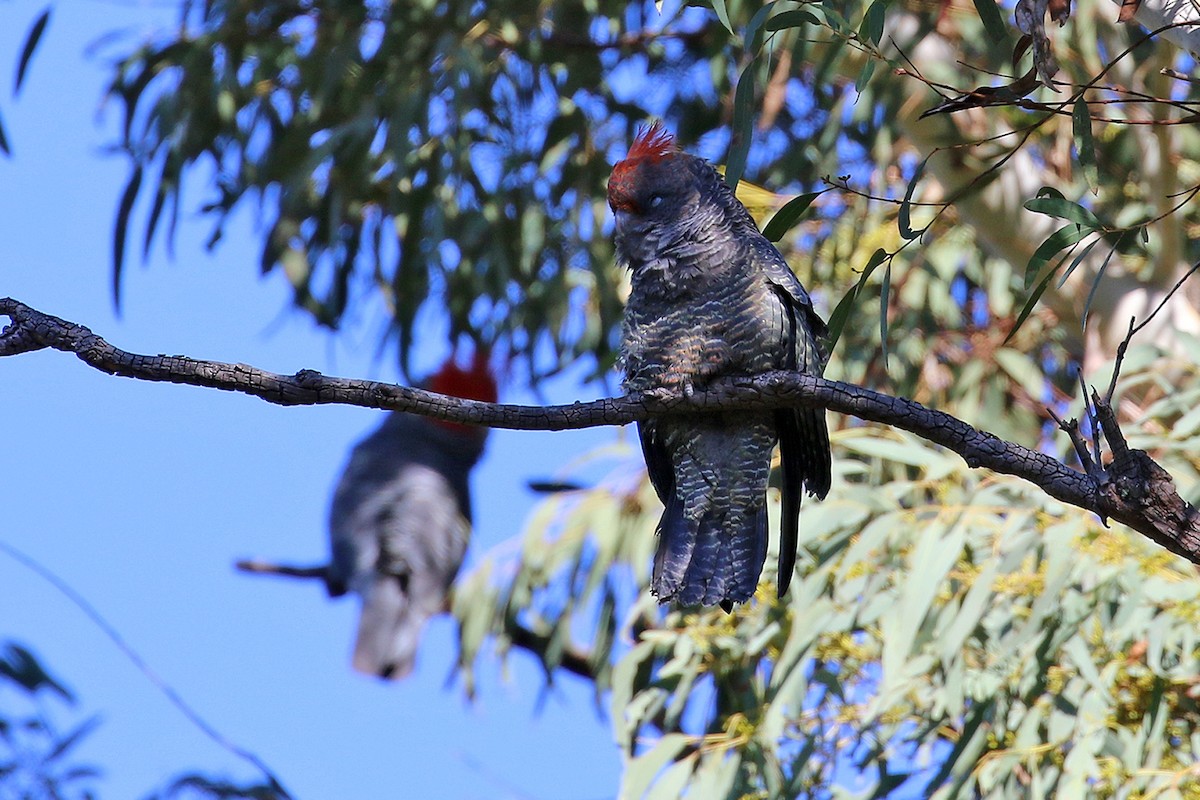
x=654 y=143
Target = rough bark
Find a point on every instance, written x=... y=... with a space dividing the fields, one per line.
x=1131 y=489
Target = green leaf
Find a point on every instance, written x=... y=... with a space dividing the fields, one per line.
x=1055 y=243
x=1100 y=274
x=20 y=666
x=1066 y=209
x=31 y=43
x=723 y=14
x=1085 y=146
x=753 y=37
x=872 y=24
x=901 y=452
x=788 y=214
x=642 y=771
x=885 y=290
x=993 y=23
x=670 y=785
x=119 y=231
x=903 y=216
x=716 y=774
x=837 y=320
x=932 y=559
x=864 y=76
x=1076 y=261
x=791 y=19
x=624 y=679
x=743 y=125
x=971 y=741
x=970 y=613
x=1029 y=304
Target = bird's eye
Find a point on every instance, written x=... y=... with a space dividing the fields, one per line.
x=656 y=200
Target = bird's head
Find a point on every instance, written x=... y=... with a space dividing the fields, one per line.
x=653 y=185
x=476 y=382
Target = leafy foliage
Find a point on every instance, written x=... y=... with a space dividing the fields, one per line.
x=37 y=757
x=32 y=39
x=949 y=632
x=408 y=151
x=35 y=753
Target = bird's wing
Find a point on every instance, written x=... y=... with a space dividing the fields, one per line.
x=353 y=544
x=803 y=435
x=422 y=537
x=796 y=297
x=658 y=461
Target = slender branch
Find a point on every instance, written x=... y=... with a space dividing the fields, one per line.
x=173 y=696
x=256 y=566
x=1154 y=509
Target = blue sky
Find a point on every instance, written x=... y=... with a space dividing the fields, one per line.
x=140 y=496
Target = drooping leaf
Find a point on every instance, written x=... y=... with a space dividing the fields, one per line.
x=743 y=125
x=1030 y=303
x=989 y=15
x=31 y=43
x=788 y=215
x=791 y=19
x=753 y=37
x=1065 y=209
x=1123 y=238
x=841 y=313
x=885 y=289
x=642 y=771
x=872 y=24
x=1085 y=147
x=1054 y=244
x=124 y=209
x=1075 y=262
x=903 y=215
x=723 y=14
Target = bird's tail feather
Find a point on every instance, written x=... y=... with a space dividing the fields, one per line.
x=389 y=630
x=717 y=561
x=815 y=460
x=674 y=553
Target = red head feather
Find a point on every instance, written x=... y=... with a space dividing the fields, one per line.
x=651 y=145
x=475 y=383
x=654 y=143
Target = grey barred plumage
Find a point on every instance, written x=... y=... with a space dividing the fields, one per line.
x=400 y=523
x=710 y=298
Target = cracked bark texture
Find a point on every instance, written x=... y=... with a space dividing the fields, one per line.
x=1132 y=489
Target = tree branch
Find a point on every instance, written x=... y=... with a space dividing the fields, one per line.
x=573 y=660
x=1132 y=489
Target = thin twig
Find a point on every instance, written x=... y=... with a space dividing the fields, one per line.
x=574 y=661
x=1121 y=348
x=1179 y=283
x=1089 y=408
x=173 y=697
x=256 y=566
x=1179 y=76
